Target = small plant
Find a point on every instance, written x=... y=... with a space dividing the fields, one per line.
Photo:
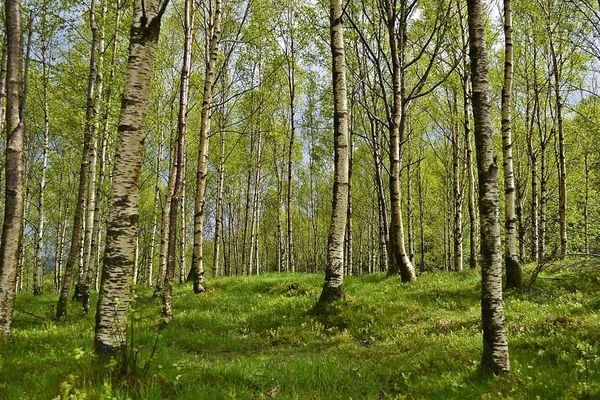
x=588 y=359
x=132 y=369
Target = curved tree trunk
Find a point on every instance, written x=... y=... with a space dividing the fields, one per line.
x=495 y=343
x=334 y=272
x=121 y=236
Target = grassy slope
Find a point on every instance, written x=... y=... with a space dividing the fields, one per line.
x=254 y=338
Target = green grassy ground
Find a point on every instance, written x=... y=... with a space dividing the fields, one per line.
x=255 y=338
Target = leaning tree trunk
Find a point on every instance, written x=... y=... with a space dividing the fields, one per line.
x=78 y=218
x=197 y=270
x=511 y=251
x=495 y=343
x=334 y=272
x=14 y=166
x=114 y=299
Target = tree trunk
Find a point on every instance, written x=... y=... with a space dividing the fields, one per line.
x=14 y=166
x=155 y=208
x=313 y=200
x=122 y=231
x=60 y=240
x=280 y=249
x=586 y=213
x=38 y=271
x=179 y=163
x=85 y=283
x=409 y=213
x=253 y=263
x=384 y=248
x=334 y=272
x=290 y=262
x=465 y=84
x=421 y=209
x=349 y=254
x=197 y=270
x=401 y=263
x=562 y=170
x=219 y=207
x=88 y=138
x=183 y=231
x=165 y=227
x=97 y=222
x=511 y=255
x=3 y=68
x=495 y=356
x=457 y=192
x=28 y=201
x=248 y=204
x=543 y=187
x=473 y=228
x=535 y=255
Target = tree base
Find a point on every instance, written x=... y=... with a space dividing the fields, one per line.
x=514 y=275
x=488 y=368
x=329 y=295
x=199 y=288
x=106 y=350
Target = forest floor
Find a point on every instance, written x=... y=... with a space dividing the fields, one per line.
x=255 y=337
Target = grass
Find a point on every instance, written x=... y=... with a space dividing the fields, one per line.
x=255 y=337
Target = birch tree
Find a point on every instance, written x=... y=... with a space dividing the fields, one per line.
x=511 y=254
x=121 y=236
x=495 y=343
x=79 y=215
x=334 y=272
x=197 y=271
x=15 y=162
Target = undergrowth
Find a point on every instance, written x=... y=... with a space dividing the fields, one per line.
x=256 y=337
